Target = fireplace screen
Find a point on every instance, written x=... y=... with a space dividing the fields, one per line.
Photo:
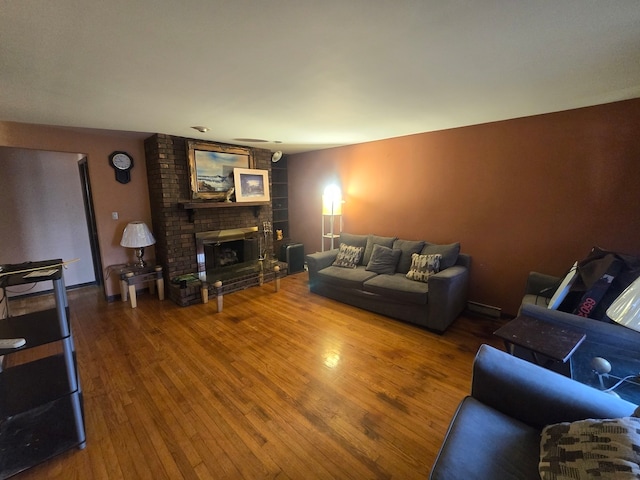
x=230 y=253
x=221 y=251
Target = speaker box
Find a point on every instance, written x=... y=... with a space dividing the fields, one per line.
x=293 y=254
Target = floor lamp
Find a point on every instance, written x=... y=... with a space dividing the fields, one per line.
x=331 y=207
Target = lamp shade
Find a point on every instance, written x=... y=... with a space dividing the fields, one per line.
x=625 y=309
x=137 y=235
x=332 y=201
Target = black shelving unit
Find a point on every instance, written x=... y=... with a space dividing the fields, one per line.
x=280 y=197
x=41 y=408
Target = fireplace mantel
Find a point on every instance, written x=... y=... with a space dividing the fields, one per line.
x=190 y=206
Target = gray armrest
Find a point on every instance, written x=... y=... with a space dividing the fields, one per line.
x=541 y=284
x=319 y=260
x=448 y=292
x=537 y=396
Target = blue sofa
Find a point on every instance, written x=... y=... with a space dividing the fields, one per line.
x=434 y=304
x=495 y=432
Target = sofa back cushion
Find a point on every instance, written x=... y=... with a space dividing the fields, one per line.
x=449 y=253
x=408 y=248
x=353 y=239
x=376 y=240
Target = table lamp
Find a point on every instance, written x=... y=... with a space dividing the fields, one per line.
x=625 y=309
x=137 y=235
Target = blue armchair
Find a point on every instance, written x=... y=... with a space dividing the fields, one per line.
x=495 y=433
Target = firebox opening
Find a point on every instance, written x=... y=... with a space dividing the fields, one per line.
x=223 y=251
x=230 y=253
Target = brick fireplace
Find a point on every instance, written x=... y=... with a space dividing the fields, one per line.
x=174 y=226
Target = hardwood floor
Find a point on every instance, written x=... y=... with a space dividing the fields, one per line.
x=286 y=385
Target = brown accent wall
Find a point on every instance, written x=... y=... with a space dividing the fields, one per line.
x=534 y=193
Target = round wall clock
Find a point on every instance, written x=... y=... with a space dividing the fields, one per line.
x=122 y=163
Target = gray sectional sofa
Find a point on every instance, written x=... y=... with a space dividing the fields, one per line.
x=379 y=283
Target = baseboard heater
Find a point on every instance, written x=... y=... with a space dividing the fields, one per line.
x=486 y=310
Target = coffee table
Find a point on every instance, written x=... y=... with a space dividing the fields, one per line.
x=549 y=345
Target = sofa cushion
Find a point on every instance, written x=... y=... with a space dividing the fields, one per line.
x=376 y=240
x=348 y=256
x=396 y=287
x=353 y=239
x=449 y=253
x=383 y=260
x=345 y=277
x=608 y=447
x=423 y=266
x=485 y=443
x=408 y=248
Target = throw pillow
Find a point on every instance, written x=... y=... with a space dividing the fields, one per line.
x=608 y=448
x=449 y=253
x=423 y=266
x=376 y=240
x=408 y=248
x=348 y=256
x=383 y=260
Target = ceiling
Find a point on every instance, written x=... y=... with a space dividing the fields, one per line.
x=310 y=74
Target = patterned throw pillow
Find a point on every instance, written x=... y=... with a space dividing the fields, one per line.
x=423 y=266
x=591 y=449
x=348 y=256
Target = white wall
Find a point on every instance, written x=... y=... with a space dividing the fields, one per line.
x=42 y=213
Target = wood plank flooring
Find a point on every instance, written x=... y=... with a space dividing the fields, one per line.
x=286 y=385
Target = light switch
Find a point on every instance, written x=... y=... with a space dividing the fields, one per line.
x=114 y=215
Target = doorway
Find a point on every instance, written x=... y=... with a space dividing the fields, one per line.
x=83 y=168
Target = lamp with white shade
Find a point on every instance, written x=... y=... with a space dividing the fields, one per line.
x=625 y=309
x=137 y=235
x=331 y=208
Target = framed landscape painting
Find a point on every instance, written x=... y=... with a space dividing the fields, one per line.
x=251 y=185
x=211 y=167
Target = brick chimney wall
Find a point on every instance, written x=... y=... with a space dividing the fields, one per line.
x=169 y=184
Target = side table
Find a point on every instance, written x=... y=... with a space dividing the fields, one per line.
x=548 y=344
x=131 y=276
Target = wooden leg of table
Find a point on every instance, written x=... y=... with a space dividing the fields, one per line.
x=218 y=287
x=160 y=286
x=204 y=293
x=123 y=290
x=132 y=296
x=276 y=271
x=160 y=282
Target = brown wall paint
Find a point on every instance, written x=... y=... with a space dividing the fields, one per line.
x=534 y=193
x=131 y=201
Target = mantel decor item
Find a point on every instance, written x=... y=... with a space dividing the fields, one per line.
x=137 y=235
x=211 y=168
x=251 y=185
